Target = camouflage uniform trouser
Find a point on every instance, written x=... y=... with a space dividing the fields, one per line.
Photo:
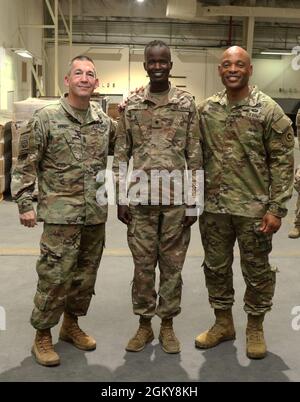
x=156 y=235
x=297 y=188
x=297 y=212
x=218 y=233
x=67 y=269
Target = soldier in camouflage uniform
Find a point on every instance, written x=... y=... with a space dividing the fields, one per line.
x=248 y=163
x=65 y=145
x=295 y=232
x=160 y=130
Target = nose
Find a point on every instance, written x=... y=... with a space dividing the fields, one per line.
x=233 y=68
x=157 y=65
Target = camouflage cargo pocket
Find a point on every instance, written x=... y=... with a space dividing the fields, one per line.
x=263 y=241
x=45 y=302
x=40 y=300
x=49 y=266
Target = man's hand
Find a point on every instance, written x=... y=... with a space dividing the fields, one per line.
x=270 y=223
x=122 y=105
x=189 y=221
x=28 y=219
x=124 y=214
x=190 y=217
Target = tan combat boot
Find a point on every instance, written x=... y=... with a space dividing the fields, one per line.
x=222 y=330
x=43 y=350
x=167 y=338
x=256 y=345
x=143 y=336
x=70 y=332
x=294 y=233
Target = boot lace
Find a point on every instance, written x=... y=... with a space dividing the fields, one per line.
x=141 y=333
x=255 y=336
x=75 y=331
x=169 y=335
x=216 y=329
x=45 y=343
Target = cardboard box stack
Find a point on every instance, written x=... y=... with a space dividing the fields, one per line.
x=5 y=158
x=2 y=181
x=23 y=112
x=113 y=111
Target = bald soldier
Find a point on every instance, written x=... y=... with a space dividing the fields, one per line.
x=248 y=164
x=294 y=233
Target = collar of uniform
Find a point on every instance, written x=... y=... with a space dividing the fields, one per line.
x=170 y=97
x=92 y=113
x=252 y=98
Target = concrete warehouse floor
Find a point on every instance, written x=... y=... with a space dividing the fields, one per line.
x=111 y=322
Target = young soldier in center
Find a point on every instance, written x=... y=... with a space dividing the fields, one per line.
x=160 y=130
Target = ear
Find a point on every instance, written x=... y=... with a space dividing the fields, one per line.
x=250 y=70
x=66 y=80
x=145 y=68
x=171 y=65
x=219 y=69
x=96 y=83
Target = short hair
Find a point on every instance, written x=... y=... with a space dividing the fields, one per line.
x=81 y=57
x=155 y=43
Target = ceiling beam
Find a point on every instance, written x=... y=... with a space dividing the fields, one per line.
x=257 y=12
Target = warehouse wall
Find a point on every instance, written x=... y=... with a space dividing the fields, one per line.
x=121 y=69
x=278 y=78
x=14 y=13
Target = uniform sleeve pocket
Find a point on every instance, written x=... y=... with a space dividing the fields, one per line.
x=24 y=142
x=283 y=127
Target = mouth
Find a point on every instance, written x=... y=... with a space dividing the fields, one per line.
x=158 y=74
x=233 y=78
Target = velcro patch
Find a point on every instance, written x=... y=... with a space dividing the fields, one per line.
x=287 y=138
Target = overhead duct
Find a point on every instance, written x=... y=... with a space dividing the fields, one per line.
x=181 y=9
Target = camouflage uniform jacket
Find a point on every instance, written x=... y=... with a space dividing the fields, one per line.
x=248 y=155
x=160 y=136
x=298 y=126
x=297 y=170
x=65 y=155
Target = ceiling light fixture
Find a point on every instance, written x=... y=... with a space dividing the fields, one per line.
x=277 y=52
x=23 y=53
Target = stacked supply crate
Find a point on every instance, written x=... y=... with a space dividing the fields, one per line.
x=5 y=158
x=2 y=182
x=23 y=112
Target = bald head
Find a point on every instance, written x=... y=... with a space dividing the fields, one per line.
x=235 y=70
x=238 y=52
